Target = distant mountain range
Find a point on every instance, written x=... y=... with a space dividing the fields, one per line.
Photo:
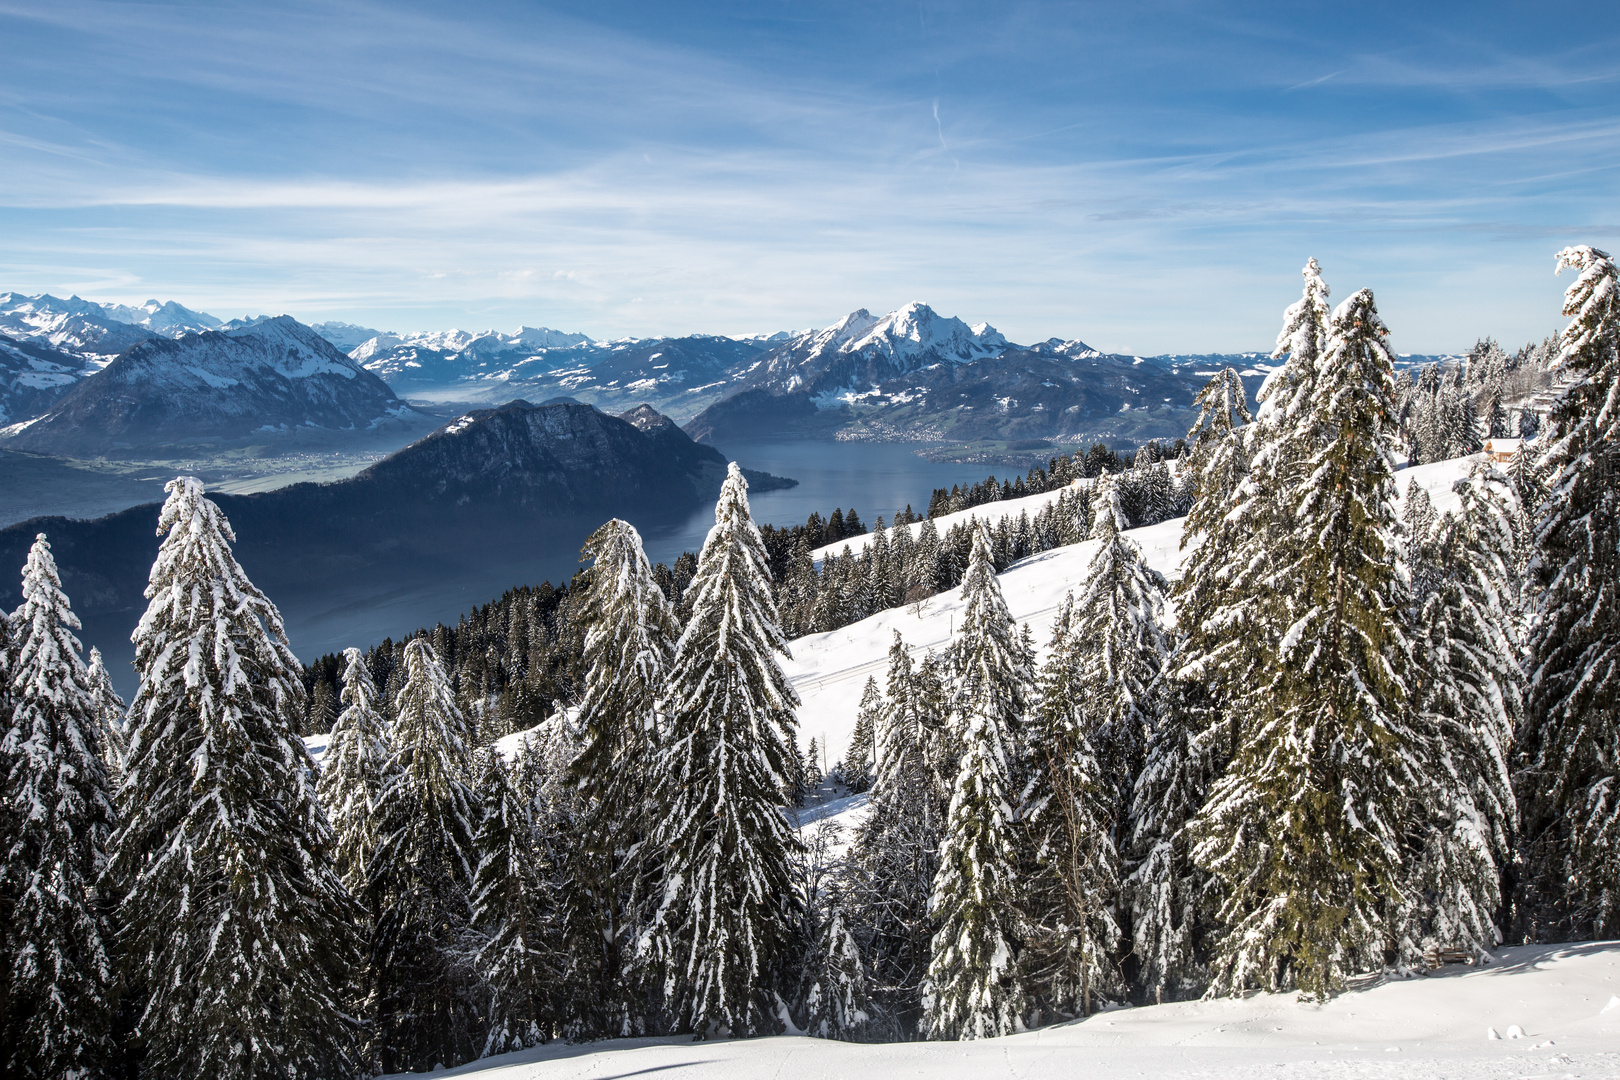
x=213 y=387
x=911 y=374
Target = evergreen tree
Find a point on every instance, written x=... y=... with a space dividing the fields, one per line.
x=110 y=710
x=1189 y=742
x=722 y=935
x=628 y=648
x=1067 y=812
x=509 y=918
x=1219 y=466
x=1119 y=622
x=858 y=764
x=1304 y=830
x=59 y=982
x=839 y=1001
x=895 y=853
x=1571 y=790
x=421 y=873
x=1466 y=708
x=814 y=777
x=352 y=771
x=234 y=926
x=974 y=986
x=1234 y=598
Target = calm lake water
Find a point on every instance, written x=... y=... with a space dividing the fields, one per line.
x=873 y=478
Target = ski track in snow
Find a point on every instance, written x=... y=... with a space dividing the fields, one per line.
x=830 y=670
x=1421 y=1028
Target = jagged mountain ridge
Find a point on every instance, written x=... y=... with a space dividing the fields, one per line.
x=218 y=385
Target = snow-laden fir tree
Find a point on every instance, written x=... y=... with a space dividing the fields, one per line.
x=1171 y=903
x=1304 y=829
x=1218 y=467
x=352 y=770
x=629 y=644
x=515 y=947
x=723 y=932
x=1466 y=706
x=838 y=1004
x=421 y=873
x=1119 y=621
x=59 y=985
x=974 y=987
x=1570 y=793
x=810 y=771
x=110 y=711
x=234 y=926
x=1071 y=863
x=1190 y=741
x=858 y=763
x=895 y=853
x=1235 y=598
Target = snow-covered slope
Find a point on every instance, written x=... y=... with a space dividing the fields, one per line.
x=1560 y=1001
x=32 y=375
x=830 y=670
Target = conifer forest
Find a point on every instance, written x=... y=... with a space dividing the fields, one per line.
x=1354 y=731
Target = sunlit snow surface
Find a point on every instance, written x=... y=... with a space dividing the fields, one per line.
x=830 y=670
x=1421 y=1028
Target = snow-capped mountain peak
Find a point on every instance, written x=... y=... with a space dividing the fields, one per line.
x=167 y=318
x=292 y=349
x=917 y=329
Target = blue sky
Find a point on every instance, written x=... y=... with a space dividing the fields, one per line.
x=1148 y=177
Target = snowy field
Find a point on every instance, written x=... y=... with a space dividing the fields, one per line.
x=830 y=670
x=1556 y=1010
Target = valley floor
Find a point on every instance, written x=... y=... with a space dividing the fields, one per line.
x=1565 y=999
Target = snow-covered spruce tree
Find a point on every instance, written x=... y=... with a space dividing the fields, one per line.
x=352 y=770
x=1189 y=741
x=1304 y=829
x=838 y=1005
x=60 y=981
x=110 y=711
x=1119 y=621
x=974 y=988
x=1233 y=601
x=1218 y=467
x=514 y=958
x=1071 y=863
x=724 y=931
x=425 y=1007
x=234 y=927
x=1466 y=708
x=1171 y=902
x=895 y=853
x=858 y=763
x=1570 y=793
x=629 y=644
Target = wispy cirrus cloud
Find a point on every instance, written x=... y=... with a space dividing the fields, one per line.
x=621 y=170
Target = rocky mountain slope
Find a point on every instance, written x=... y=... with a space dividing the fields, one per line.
x=211 y=388
x=32 y=376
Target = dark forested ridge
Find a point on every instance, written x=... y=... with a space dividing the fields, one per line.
x=488 y=487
